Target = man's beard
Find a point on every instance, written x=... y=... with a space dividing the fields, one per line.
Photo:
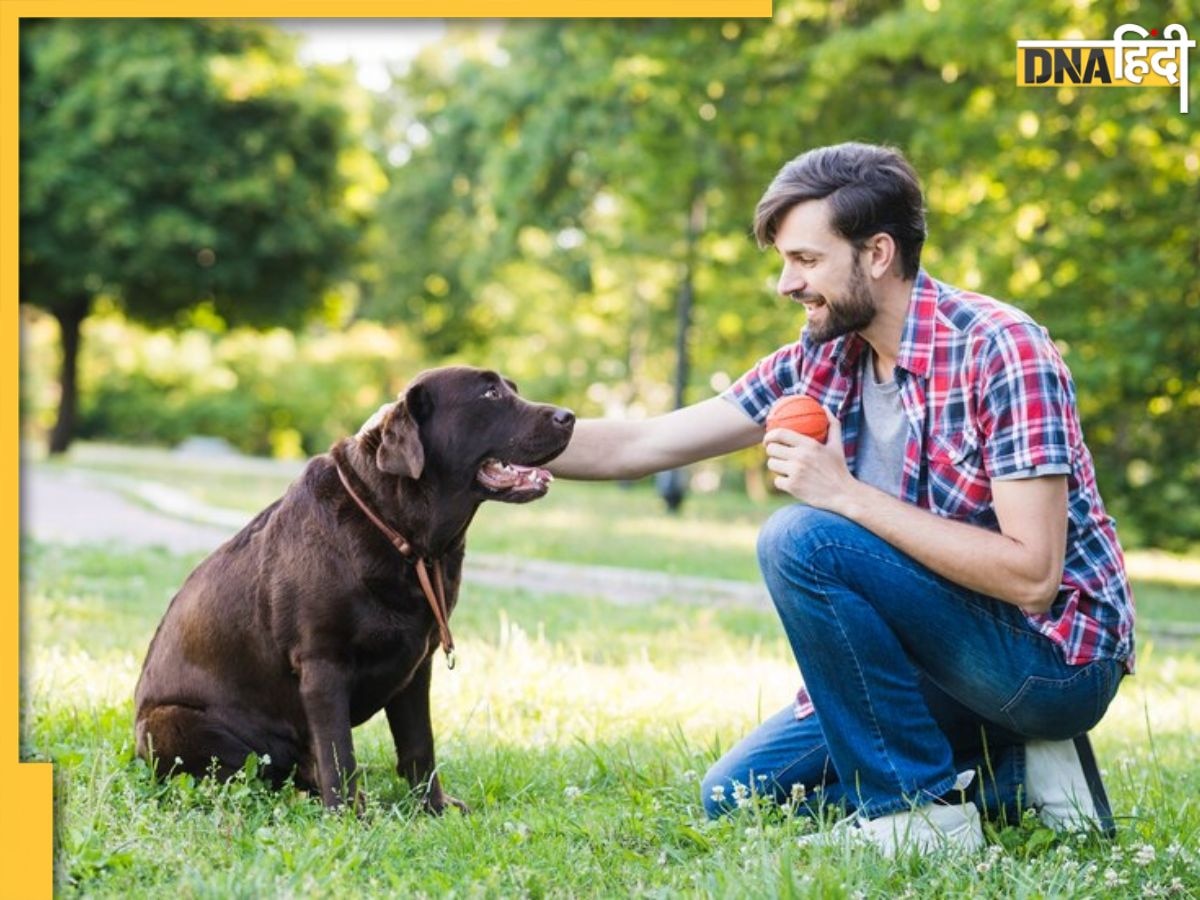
x=853 y=312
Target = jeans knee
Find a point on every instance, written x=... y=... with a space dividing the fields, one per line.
x=718 y=792
x=796 y=532
x=713 y=790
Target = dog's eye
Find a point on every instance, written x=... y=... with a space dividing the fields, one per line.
x=491 y=394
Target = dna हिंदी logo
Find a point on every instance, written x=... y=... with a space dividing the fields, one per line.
x=1134 y=57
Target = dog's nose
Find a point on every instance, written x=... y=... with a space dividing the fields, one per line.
x=564 y=417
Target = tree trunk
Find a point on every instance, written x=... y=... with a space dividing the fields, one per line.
x=70 y=317
x=672 y=484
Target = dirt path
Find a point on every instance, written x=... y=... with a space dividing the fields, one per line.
x=73 y=507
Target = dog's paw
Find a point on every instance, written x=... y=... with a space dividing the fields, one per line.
x=336 y=804
x=437 y=805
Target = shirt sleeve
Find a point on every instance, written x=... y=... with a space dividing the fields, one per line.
x=1026 y=405
x=770 y=378
x=1035 y=472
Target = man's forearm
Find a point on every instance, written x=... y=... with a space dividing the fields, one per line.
x=599 y=449
x=974 y=557
x=611 y=448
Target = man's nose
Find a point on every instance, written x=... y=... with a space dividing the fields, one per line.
x=789 y=282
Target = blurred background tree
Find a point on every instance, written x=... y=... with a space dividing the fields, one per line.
x=553 y=188
x=175 y=167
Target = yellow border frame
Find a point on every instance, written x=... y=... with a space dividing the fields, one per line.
x=27 y=829
x=27 y=833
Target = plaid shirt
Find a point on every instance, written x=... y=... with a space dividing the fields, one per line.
x=987 y=395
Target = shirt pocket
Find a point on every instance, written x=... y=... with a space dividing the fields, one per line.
x=959 y=488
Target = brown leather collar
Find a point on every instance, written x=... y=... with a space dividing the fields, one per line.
x=435 y=593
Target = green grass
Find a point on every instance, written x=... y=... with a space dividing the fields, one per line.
x=577 y=730
x=1161 y=602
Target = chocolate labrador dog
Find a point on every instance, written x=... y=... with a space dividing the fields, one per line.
x=330 y=604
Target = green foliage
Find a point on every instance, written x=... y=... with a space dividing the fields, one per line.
x=165 y=163
x=274 y=393
x=174 y=165
x=553 y=212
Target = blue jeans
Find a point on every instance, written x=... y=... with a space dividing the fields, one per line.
x=913 y=677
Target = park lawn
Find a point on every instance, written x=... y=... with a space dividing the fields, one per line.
x=577 y=730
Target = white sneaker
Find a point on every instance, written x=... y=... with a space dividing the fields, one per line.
x=927 y=829
x=1062 y=782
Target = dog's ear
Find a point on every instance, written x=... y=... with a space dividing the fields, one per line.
x=400 y=451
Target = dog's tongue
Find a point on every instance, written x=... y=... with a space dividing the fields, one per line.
x=500 y=476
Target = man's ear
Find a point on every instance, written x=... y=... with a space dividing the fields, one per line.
x=883 y=254
x=400 y=451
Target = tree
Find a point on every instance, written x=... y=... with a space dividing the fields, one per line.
x=170 y=165
x=603 y=191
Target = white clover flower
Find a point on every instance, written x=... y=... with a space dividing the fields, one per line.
x=1112 y=878
x=1090 y=869
x=739 y=791
x=983 y=868
x=266 y=759
x=178 y=761
x=570 y=792
x=798 y=793
x=718 y=793
x=1145 y=855
x=520 y=829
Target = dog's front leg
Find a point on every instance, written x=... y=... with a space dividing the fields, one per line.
x=325 y=693
x=412 y=732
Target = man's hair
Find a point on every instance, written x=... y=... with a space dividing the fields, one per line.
x=871 y=189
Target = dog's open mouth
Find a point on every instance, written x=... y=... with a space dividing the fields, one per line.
x=503 y=477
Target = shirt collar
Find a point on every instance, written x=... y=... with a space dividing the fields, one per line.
x=916 y=343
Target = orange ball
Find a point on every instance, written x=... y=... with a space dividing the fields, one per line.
x=801 y=414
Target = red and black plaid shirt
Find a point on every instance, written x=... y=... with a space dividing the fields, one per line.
x=987 y=395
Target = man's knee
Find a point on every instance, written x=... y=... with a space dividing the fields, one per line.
x=716 y=792
x=796 y=533
x=728 y=786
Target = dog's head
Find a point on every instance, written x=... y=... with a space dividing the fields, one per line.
x=470 y=429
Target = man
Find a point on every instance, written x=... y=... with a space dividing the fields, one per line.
x=951 y=585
